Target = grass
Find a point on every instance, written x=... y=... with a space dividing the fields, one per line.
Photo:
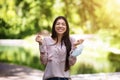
x=20 y=56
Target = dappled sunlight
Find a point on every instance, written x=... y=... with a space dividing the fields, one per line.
x=94 y=56
x=112 y=9
x=112 y=5
x=95 y=21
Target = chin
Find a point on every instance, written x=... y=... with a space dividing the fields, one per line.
x=60 y=33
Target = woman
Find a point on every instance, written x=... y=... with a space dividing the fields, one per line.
x=55 y=51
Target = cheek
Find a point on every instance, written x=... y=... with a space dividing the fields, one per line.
x=65 y=28
x=55 y=28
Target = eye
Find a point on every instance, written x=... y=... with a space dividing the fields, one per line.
x=63 y=24
x=57 y=23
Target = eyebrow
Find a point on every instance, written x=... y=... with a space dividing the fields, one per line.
x=61 y=22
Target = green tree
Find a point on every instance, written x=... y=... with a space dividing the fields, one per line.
x=24 y=17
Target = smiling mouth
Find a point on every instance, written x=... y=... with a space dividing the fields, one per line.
x=60 y=29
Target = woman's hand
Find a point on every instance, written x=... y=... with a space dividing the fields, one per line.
x=72 y=60
x=39 y=39
x=79 y=41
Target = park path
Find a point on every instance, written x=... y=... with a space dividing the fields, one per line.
x=15 y=72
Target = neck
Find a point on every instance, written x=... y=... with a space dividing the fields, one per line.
x=59 y=38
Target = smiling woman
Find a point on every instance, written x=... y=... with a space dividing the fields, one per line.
x=55 y=51
x=60 y=27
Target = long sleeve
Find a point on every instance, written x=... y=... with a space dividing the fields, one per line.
x=72 y=59
x=43 y=52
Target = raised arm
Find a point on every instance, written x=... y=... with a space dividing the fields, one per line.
x=39 y=39
x=75 y=43
x=42 y=48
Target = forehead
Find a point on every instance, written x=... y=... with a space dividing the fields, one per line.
x=61 y=20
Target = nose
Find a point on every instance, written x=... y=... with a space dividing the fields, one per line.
x=61 y=25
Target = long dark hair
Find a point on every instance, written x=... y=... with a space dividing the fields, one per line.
x=65 y=39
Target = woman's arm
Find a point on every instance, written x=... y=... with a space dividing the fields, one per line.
x=42 y=48
x=43 y=52
x=76 y=43
x=43 y=58
x=73 y=59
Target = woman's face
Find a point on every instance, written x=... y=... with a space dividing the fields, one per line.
x=60 y=27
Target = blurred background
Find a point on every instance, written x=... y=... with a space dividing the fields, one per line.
x=96 y=21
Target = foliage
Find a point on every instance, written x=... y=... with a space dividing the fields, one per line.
x=20 y=56
x=82 y=14
x=83 y=68
x=24 y=17
x=114 y=61
x=21 y=18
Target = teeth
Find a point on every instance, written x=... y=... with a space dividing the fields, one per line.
x=60 y=29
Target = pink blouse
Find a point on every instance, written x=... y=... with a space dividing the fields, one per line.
x=53 y=56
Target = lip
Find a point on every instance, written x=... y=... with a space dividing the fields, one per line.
x=60 y=30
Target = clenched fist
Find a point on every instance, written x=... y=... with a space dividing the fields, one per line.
x=39 y=39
